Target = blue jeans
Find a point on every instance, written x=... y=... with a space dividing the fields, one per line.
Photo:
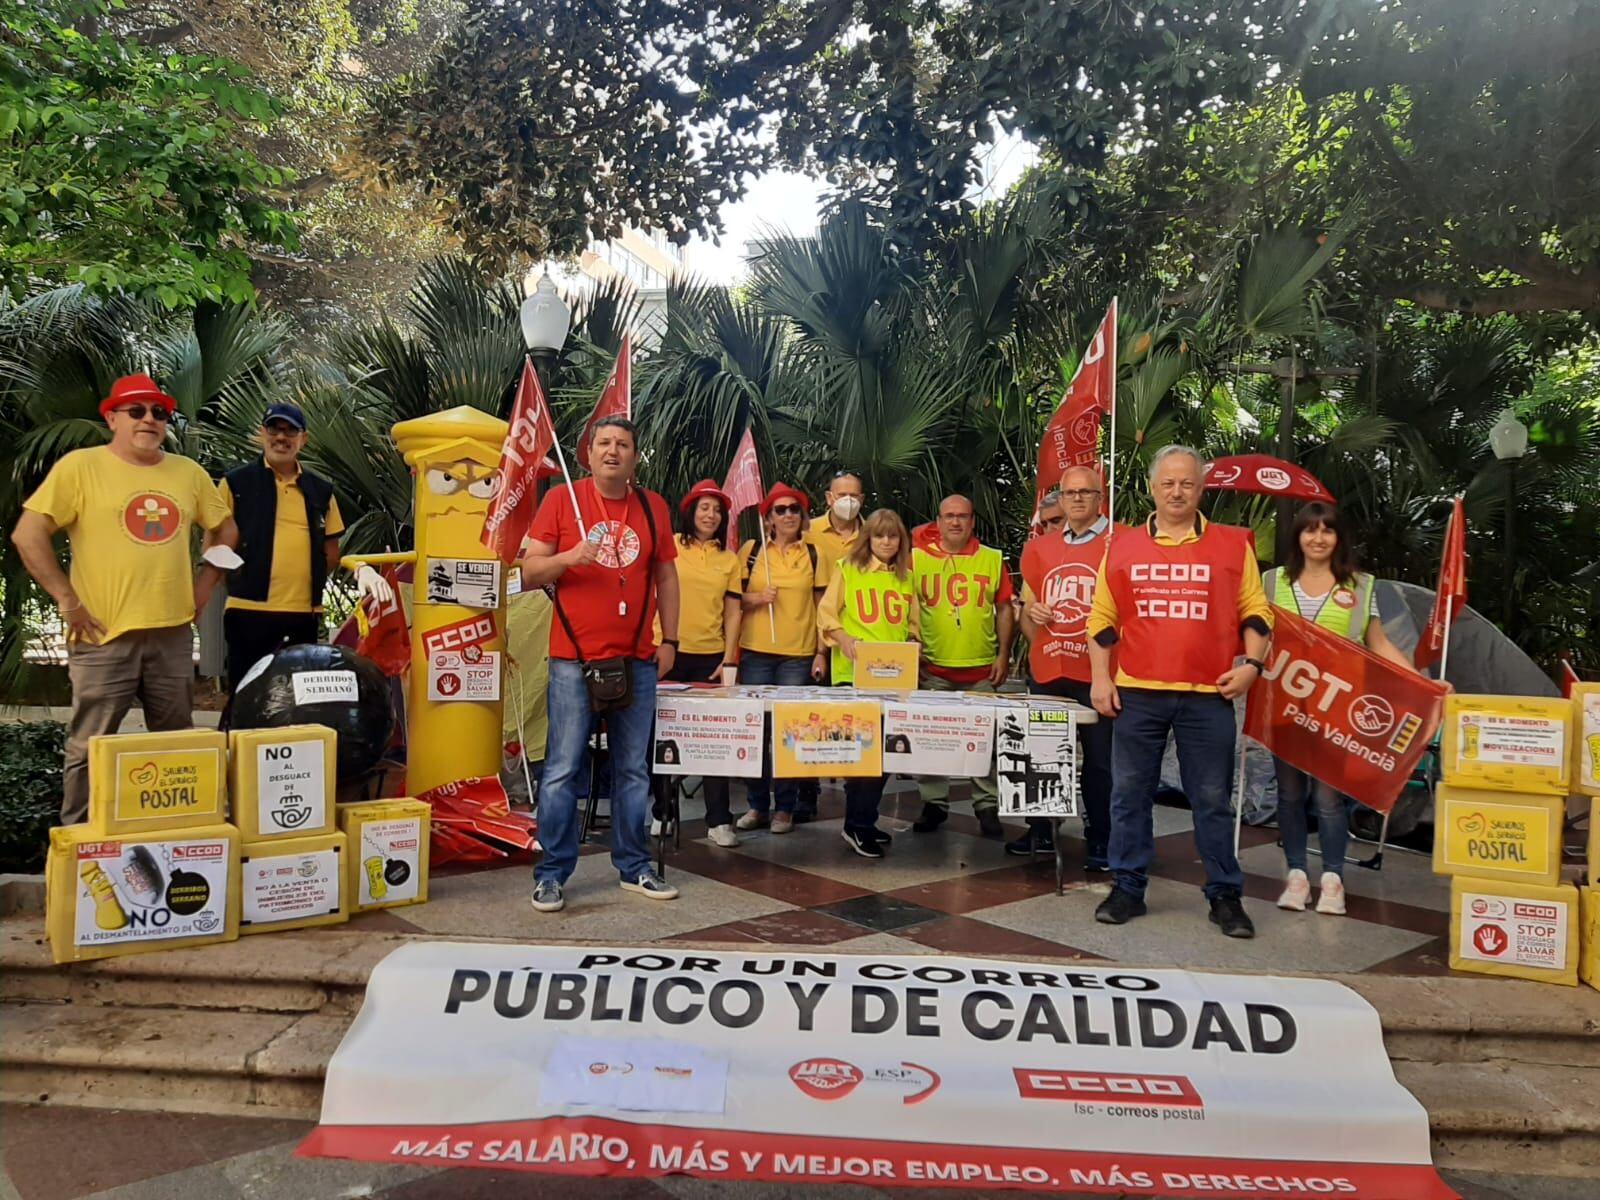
x=1333 y=819
x=788 y=670
x=566 y=773
x=1202 y=722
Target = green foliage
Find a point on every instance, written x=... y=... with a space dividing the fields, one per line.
x=121 y=166
x=31 y=757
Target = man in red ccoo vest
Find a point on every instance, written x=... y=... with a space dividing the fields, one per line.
x=1174 y=597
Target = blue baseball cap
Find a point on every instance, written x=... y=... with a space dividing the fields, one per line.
x=286 y=412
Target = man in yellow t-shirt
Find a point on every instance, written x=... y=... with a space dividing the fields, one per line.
x=289 y=526
x=128 y=510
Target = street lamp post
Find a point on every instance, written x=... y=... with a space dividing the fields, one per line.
x=1509 y=441
x=545 y=322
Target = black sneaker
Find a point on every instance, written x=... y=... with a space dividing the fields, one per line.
x=1119 y=908
x=652 y=885
x=933 y=816
x=1038 y=840
x=863 y=843
x=547 y=896
x=989 y=824
x=878 y=835
x=1227 y=913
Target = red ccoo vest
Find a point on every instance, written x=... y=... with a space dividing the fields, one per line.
x=1062 y=575
x=1178 y=606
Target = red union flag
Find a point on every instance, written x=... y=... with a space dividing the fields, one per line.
x=384 y=636
x=616 y=398
x=1332 y=708
x=1450 y=595
x=1072 y=439
x=743 y=484
x=528 y=440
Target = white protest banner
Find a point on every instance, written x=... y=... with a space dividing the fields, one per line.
x=697 y=735
x=893 y=1071
x=1036 y=748
x=927 y=737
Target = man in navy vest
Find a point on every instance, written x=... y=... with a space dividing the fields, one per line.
x=289 y=526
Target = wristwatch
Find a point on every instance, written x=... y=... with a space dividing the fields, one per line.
x=1261 y=667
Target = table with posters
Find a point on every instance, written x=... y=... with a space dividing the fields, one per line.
x=846 y=732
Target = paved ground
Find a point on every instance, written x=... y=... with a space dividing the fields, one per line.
x=65 y=1153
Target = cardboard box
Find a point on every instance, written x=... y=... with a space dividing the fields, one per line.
x=1507 y=743
x=109 y=894
x=157 y=781
x=1586 y=741
x=387 y=861
x=1589 y=938
x=1515 y=930
x=1594 y=842
x=292 y=883
x=282 y=781
x=1495 y=835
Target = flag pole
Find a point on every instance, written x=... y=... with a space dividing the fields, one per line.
x=772 y=620
x=1111 y=445
x=1238 y=795
x=567 y=475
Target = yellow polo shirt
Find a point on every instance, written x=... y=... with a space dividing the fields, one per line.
x=1252 y=603
x=831 y=545
x=795 y=611
x=707 y=576
x=289 y=588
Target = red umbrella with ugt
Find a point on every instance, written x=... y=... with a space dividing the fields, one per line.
x=1264 y=475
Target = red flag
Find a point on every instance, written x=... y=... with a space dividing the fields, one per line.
x=384 y=636
x=616 y=398
x=1329 y=706
x=1568 y=678
x=1451 y=594
x=743 y=484
x=522 y=455
x=1072 y=439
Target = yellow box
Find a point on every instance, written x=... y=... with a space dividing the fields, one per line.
x=1514 y=929
x=1594 y=842
x=886 y=666
x=816 y=738
x=108 y=894
x=157 y=781
x=1508 y=743
x=387 y=862
x=1586 y=742
x=1589 y=938
x=291 y=883
x=1495 y=835
x=282 y=781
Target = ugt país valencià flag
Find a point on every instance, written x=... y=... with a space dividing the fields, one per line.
x=616 y=398
x=1072 y=438
x=743 y=484
x=1451 y=594
x=529 y=438
x=1332 y=708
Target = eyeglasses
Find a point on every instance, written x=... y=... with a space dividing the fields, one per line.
x=280 y=428
x=139 y=411
x=785 y=510
x=955 y=516
x=1081 y=493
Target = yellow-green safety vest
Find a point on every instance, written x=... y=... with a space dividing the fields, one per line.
x=874 y=606
x=958 y=605
x=1345 y=612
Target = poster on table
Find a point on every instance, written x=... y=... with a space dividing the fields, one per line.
x=886 y=1071
x=927 y=736
x=130 y=891
x=703 y=735
x=816 y=738
x=886 y=666
x=1036 y=759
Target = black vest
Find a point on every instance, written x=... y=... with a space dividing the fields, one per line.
x=255 y=511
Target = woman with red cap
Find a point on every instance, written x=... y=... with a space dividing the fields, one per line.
x=778 y=641
x=709 y=588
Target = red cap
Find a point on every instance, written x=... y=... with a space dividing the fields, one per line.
x=131 y=388
x=780 y=491
x=706 y=487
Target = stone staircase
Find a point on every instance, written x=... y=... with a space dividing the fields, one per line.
x=1509 y=1072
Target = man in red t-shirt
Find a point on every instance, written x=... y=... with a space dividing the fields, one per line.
x=609 y=567
x=1058 y=575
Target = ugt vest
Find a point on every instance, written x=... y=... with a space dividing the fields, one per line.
x=1345 y=612
x=1062 y=575
x=874 y=606
x=958 y=605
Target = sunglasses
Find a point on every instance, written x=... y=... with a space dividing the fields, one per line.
x=139 y=411
x=785 y=510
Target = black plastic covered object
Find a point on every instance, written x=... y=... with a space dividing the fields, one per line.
x=312 y=685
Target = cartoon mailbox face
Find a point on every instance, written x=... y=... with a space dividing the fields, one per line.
x=453 y=701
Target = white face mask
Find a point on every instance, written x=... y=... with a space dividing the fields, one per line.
x=846 y=508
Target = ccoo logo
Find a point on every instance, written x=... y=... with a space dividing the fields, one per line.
x=825 y=1078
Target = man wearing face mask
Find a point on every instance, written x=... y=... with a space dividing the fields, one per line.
x=834 y=534
x=289 y=526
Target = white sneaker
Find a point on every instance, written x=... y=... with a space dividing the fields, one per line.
x=655 y=827
x=1296 y=891
x=723 y=835
x=1331 y=900
x=752 y=820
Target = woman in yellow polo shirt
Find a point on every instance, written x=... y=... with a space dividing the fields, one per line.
x=778 y=640
x=709 y=614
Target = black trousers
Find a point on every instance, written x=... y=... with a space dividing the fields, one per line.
x=696 y=668
x=251 y=635
x=1095 y=744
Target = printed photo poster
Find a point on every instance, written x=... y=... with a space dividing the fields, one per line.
x=705 y=735
x=1036 y=752
x=469 y=582
x=886 y=666
x=928 y=737
x=130 y=891
x=817 y=738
